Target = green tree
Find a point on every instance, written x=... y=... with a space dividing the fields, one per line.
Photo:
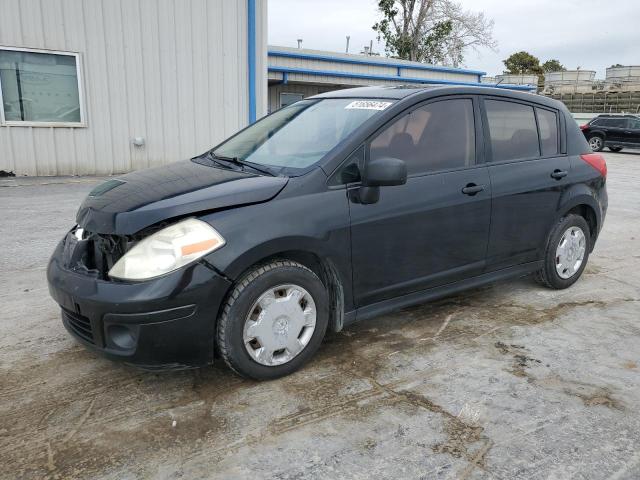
x=616 y=65
x=523 y=62
x=432 y=31
x=552 y=65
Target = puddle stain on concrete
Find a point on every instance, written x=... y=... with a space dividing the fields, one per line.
x=460 y=434
x=591 y=395
x=128 y=421
x=520 y=361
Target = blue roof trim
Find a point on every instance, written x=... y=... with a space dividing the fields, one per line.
x=366 y=76
x=251 y=55
x=357 y=61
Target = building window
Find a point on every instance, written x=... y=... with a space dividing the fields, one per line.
x=40 y=88
x=287 y=99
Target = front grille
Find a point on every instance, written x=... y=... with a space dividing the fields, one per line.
x=79 y=324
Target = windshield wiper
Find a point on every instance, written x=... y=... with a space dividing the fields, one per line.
x=241 y=163
x=214 y=159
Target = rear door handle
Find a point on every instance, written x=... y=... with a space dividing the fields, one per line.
x=558 y=174
x=472 y=189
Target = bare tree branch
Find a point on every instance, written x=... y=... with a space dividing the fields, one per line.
x=434 y=31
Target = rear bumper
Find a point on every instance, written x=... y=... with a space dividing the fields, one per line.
x=163 y=323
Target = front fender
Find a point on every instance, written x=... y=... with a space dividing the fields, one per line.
x=315 y=224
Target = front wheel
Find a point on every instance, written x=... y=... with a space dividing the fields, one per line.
x=615 y=149
x=596 y=143
x=273 y=321
x=566 y=253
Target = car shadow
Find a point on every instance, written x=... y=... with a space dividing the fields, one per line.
x=624 y=152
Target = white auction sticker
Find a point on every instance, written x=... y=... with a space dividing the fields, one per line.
x=368 y=105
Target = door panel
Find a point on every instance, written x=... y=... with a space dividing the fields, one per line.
x=427 y=232
x=526 y=189
x=614 y=128
x=525 y=201
x=420 y=235
x=632 y=132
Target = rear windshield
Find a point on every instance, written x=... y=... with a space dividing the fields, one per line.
x=299 y=135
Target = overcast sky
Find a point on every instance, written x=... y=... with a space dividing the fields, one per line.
x=582 y=33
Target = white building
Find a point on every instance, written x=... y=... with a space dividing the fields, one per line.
x=108 y=86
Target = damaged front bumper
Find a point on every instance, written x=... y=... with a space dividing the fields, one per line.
x=165 y=322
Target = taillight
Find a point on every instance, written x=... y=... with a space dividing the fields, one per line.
x=584 y=127
x=597 y=161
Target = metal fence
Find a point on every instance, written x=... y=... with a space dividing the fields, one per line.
x=600 y=102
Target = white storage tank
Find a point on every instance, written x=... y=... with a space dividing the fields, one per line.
x=569 y=77
x=626 y=78
x=629 y=73
x=517 y=79
x=489 y=80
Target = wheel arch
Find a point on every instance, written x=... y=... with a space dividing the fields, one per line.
x=336 y=282
x=582 y=203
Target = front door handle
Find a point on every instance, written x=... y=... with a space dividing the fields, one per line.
x=472 y=189
x=558 y=174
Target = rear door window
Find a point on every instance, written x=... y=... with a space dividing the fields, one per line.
x=437 y=136
x=548 y=125
x=616 y=122
x=512 y=129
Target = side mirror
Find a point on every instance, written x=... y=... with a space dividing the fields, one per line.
x=385 y=171
x=381 y=172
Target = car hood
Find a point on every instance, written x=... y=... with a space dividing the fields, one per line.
x=131 y=202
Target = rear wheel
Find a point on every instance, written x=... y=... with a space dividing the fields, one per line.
x=566 y=253
x=596 y=143
x=273 y=321
x=615 y=149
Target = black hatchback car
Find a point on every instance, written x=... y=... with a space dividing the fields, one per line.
x=332 y=210
x=612 y=131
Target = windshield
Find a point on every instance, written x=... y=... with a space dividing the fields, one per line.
x=299 y=135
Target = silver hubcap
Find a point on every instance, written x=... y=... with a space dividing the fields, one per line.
x=570 y=252
x=595 y=143
x=279 y=325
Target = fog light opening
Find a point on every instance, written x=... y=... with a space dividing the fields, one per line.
x=121 y=336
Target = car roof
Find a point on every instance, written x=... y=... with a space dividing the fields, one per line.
x=392 y=92
x=617 y=115
x=401 y=92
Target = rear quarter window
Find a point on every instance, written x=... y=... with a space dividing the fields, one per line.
x=549 y=138
x=512 y=130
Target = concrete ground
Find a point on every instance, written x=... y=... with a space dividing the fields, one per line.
x=510 y=381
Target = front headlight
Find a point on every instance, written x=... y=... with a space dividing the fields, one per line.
x=167 y=250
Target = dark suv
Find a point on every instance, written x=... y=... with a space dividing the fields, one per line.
x=332 y=210
x=613 y=131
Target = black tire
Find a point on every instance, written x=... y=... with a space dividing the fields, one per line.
x=242 y=298
x=596 y=142
x=615 y=149
x=547 y=275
